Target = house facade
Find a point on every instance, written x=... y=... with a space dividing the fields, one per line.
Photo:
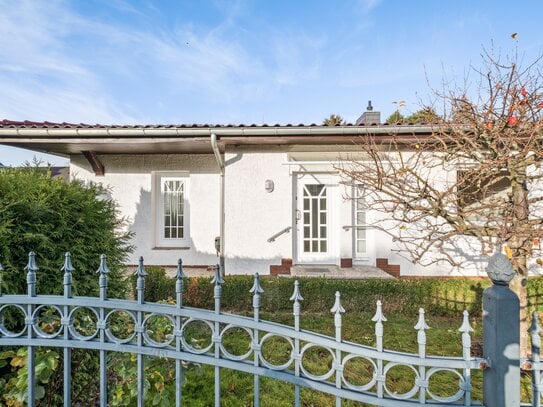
x=272 y=197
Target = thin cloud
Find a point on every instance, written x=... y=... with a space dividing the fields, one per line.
x=367 y=6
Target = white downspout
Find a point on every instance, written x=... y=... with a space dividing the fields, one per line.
x=220 y=163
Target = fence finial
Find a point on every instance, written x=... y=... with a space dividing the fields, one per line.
x=103 y=269
x=179 y=276
x=140 y=283
x=296 y=296
x=217 y=291
x=296 y=308
x=379 y=318
x=421 y=336
x=140 y=271
x=256 y=288
x=67 y=268
x=217 y=278
x=31 y=268
x=179 y=273
x=466 y=338
x=499 y=269
x=337 y=308
x=466 y=327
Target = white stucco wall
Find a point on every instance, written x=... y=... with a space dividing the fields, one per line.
x=130 y=179
x=253 y=215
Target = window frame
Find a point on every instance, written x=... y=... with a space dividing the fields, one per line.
x=158 y=211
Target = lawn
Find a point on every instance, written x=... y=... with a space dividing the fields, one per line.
x=443 y=339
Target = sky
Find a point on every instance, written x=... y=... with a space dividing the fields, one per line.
x=242 y=61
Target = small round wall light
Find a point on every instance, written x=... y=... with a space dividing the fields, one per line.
x=268 y=185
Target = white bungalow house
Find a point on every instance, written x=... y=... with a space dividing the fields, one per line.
x=269 y=195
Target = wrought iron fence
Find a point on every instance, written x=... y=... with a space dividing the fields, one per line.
x=103 y=338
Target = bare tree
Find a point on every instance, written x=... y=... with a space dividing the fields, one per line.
x=470 y=185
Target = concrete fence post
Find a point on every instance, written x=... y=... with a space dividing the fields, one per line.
x=501 y=336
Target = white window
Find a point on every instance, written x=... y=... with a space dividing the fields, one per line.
x=171 y=209
x=360 y=224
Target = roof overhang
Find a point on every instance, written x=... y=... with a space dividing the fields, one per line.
x=179 y=140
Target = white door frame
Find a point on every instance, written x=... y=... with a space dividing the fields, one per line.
x=314 y=249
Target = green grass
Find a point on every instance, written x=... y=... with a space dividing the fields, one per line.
x=443 y=339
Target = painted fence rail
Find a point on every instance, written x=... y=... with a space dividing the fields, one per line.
x=176 y=346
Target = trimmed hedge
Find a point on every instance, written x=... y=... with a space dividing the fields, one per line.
x=436 y=295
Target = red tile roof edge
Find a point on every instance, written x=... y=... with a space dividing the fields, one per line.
x=47 y=124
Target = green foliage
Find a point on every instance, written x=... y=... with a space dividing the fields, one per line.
x=395 y=118
x=333 y=120
x=439 y=296
x=51 y=217
x=424 y=115
x=13 y=387
x=158 y=286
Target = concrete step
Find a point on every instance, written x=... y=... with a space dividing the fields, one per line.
x=333 y=271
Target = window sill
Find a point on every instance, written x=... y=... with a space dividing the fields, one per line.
x=171 y=248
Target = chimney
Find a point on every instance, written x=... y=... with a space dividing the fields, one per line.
x=369 y=116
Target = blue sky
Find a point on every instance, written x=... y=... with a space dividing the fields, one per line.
x=154 y=62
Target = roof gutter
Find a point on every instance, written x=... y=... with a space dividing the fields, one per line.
x=208 y=131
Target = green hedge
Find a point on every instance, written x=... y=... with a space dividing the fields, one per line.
x=436 y=295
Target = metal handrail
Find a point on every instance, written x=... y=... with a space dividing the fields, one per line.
x=364 y=227
x=285 y=230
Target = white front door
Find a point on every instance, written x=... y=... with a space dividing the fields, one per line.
x=316 y=219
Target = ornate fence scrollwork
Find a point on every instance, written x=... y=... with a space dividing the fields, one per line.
x=86 y=322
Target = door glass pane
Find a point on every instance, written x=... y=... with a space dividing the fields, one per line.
x=361 y=246
x=360 y=242
x=360 y=218
x=314 y=223
x=314 y=218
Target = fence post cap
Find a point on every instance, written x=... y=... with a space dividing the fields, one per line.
x=31 y=266
x=256 y=289
x=179 y=272
x=500 y=270
x=103 y=269
x=67 y=267
x=140 y=270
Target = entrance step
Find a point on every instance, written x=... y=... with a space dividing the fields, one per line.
x=333 y=271
x=283 y=269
